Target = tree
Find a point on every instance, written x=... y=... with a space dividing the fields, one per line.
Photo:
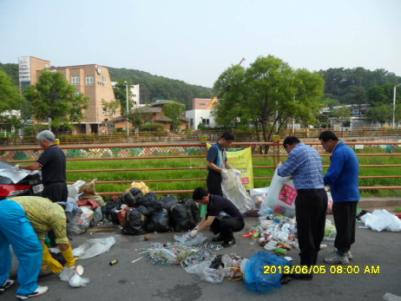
x=174 y=111
x=53 y=97
x=110 y=108
x=267 y=96
x=120 y=93
x=10 y=99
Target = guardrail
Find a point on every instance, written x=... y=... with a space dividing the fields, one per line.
x=164 y=151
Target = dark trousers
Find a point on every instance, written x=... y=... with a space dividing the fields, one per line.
x=226 y=225
x=213 y=182
x=344 y=214
x=310 y=210
x=56 y=192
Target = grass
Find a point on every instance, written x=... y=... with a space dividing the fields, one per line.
x=182 y=174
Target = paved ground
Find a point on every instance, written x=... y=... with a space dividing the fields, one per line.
x=144 y=281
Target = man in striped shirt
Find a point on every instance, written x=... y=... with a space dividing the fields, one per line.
x=304 y=165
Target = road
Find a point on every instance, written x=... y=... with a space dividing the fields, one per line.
x=145 y=281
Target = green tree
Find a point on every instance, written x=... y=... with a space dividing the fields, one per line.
x=174 y=111
x=120 y=93
x=10 y=99
x=267 y=96
x=53 y=97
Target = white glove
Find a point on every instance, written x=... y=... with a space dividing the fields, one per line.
x=193 y=233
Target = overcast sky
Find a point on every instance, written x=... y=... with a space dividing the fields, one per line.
x=196 y=40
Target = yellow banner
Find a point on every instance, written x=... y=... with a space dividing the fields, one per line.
x=242 y=160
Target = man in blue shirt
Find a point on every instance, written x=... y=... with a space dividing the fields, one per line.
x=342 y=177
x=304 y=165
x=217 y=162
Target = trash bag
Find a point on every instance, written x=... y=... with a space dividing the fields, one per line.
x=180 y=219
x=94 y=247
x=280 y=197
x=193 y=210
x=159 y=222
x=168 y=201
x=151 y=196
x=73 y=278
x=150 y=204
x=80 y=222
x=110 y=210
x=234 y=190
x=189 y=241
x=134 y=224
x=206 y=273
x=254 y=277
x=380 y=220
x=141 y=186
x=145 y=211
x=131 y=197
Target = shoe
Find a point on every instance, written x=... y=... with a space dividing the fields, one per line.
x=229 y=243
x=9 y=283
x=41 y=290
x=302 y=276
x=349 y=255
x=217 y=238
x=336 y=258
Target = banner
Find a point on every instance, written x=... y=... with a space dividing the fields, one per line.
x=241 y=160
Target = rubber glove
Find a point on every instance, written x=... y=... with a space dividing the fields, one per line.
x=49 y=263
x=193 y=233
x=69 y=257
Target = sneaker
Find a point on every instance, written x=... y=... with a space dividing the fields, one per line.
x=229 y=243
x=41 y=290
x=349 y=255
x=217 y=238
x=9 y=283
x=336 y=258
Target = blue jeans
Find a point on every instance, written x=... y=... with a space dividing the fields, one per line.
x=17 y=231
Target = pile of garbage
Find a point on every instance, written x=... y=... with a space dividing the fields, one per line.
x=139 y=211
x=381 y=220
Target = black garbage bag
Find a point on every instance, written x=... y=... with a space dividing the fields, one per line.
x=159 y=222
x=180 y=219
x=168 y=201
x=151 y=196
x=193 y=210
x=131 y=197
x=150 y=203
x=111 y=209
x=135 y=222
x=147 y=212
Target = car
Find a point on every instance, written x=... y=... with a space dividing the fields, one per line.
x=29 y=185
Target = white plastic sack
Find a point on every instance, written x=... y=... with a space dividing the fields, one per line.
x=205 y=273
x=73 y=278
x=258 y=195
x=94 y=247
x=73 y=190
x=380 y=220
x=273 y=201
x=235 y=191
x=189 y=241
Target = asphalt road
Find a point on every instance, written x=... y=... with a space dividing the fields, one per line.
x=144 y=281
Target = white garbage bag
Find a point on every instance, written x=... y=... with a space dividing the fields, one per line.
x=94 y=247
x=281 y=196
x=380 y=220
x=235 y=191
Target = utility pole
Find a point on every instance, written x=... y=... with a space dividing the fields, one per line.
x=394 y=97
x=126 y=108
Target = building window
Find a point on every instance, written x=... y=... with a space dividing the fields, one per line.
x=205 y=121
x=191 y=122
x=75 y=80
x=90 y=80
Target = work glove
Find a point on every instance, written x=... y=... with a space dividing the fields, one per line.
x=69 y=257
x=193 y=233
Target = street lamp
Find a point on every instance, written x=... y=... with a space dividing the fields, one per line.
x=394 y=96
x=126 y=107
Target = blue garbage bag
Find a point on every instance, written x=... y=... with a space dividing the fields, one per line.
x=254 y=277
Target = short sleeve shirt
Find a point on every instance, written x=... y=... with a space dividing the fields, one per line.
x=53 y=165
x=218 y=204
x=217 y=155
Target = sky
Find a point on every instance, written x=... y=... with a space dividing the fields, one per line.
x=196 y=40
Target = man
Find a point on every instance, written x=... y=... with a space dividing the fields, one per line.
x=223 y=225
x=217 y=162
x=304 y=165
x=52 y=162
x=46 y=216
x=342 y=177
x=17 y=231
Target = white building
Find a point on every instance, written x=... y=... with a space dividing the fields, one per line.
x=135 y=95
x=201 y=113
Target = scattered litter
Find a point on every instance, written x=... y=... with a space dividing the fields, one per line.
x=74 y=277
x=169 y=253
x=189 y=241
x=380 y=220
x=94 y=247
x=391 y=297
x=137 y=259
x=113 y=262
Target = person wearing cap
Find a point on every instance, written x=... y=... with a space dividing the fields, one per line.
x=217 y=163
x=46 y=216
x=52 y=162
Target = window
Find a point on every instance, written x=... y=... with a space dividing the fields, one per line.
x=90 y=80
x=191 y=122
x=205 y=121
x=75 y=80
